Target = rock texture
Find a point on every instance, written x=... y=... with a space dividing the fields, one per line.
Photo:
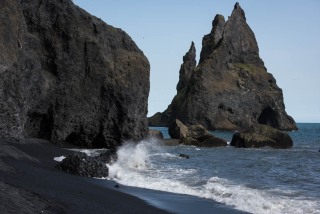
x=194 y=135
x=83 y=165
x=198 y=136
x=230 y=88
x=67 y=76
x=178 y=130
x=262 y=136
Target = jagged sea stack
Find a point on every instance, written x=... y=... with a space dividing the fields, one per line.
x=230 y=88
x=67 y=76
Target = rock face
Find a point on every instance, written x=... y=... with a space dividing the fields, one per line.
x=262 y=136
x=68 y=76
x=230 y=88
x=194 y=135
x=178 y=130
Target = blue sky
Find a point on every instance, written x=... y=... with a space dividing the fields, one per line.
x=287 y=31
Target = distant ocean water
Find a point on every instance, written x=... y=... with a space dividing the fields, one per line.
x=253 y=180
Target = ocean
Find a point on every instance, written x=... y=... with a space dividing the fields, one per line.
x=251 y=180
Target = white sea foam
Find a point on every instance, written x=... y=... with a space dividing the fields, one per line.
x=59 y=159
x=165 y=155
x=89 y=152
x=134 y=168
x=253 y=200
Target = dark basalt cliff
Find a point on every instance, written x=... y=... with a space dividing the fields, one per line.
x=67 y=76
x=230 y=88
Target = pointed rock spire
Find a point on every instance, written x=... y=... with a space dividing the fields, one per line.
x=239 y=39
x=188 y=65
x=234 y=38
x=210 y=41
x=217 y=28
x=230 y=89
x=238 y=12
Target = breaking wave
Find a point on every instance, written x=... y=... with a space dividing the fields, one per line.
x=148 y=165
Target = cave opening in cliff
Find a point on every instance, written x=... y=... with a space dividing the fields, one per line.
x=99 y=141
x=269 y=117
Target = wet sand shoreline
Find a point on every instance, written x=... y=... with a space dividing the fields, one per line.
x=29 y=183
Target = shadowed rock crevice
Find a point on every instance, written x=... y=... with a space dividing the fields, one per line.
x=40 y=125
x=230 y=88
x=269 y=117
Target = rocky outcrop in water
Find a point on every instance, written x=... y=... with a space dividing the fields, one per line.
x=194 y=135
x=88 y=166
x=67 y=76
x=83 y=165
x=262 y=136
x=178 y=130
x=230 y=88
x=197 y=135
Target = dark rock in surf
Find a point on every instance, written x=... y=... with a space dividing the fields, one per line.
x=198 y=136
x=68 y=76
x=197 y=132
x=206 y=141
x=262 y=136
x=83 y=165
x=108 y=156
x=194 y=135
x=184 y=156
x=177 y=130
x=230 y=88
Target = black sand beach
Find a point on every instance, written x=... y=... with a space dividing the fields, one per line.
x=30 y=183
